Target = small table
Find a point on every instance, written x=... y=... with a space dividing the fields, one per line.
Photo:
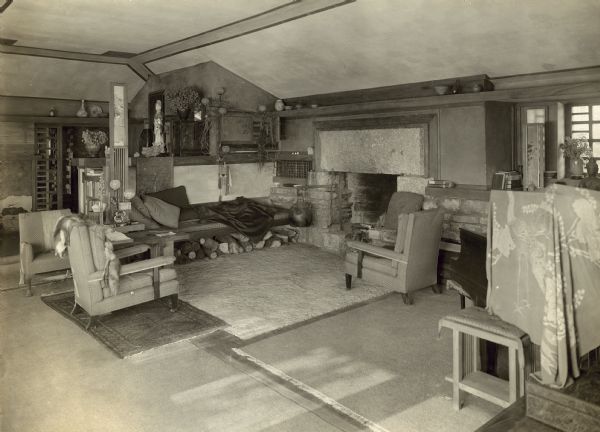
x=159 y=246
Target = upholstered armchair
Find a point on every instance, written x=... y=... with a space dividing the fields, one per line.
x=410 y=265
x=36 y=236
x=139 y=282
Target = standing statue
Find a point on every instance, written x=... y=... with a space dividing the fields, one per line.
x=158 y=146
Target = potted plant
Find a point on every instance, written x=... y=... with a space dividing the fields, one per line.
x=575 y=149
x=183 y=100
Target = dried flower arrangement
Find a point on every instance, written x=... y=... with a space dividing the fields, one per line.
x=576 y=148
x=183 y=99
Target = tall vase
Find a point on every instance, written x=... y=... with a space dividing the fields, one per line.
x=575 y=167
x=82 y=112
x=592 y=167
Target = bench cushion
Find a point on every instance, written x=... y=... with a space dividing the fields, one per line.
x=482 y=319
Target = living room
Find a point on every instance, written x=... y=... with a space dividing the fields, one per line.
x=253 y=164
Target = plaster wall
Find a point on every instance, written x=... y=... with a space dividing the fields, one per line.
x=297 y=134
x=201 y=181
x=207 y=77
x=16 y=155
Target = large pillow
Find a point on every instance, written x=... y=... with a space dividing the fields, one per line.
x=162 y=212
x=176 y=196
x=136 y=216
x=138 y=204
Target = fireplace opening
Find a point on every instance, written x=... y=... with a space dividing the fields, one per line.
x=371 y=194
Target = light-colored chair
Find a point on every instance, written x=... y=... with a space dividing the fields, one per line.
x=139 y=281
x=36 y=236
x=412 y=263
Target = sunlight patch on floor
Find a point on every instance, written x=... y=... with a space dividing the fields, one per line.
x=436 y=414
x=338 y=369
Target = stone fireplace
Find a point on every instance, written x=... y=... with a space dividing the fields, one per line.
x=358 y=164
x=369 y=194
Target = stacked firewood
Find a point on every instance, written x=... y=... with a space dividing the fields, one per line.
x=234 y=243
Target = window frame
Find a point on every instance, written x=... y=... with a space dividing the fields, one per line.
x=590 y=122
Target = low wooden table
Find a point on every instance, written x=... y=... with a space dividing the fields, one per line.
x=159 y=246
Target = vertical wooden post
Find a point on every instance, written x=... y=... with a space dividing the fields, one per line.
x=457 y=368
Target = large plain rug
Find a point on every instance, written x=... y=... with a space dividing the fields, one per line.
x=383 y=361
x=271 y=289
x=142 y=327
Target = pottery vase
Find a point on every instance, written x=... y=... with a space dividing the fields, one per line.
x=82 y=112
x=575 y=167
x=279 y=105
x=183 y=114
x=592 y=168
x=301 y=214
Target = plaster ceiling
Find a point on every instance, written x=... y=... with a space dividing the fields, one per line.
x=132 y=26
x=385 y=42
x=63 y=79
x=364 y=44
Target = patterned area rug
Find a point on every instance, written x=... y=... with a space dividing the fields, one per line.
x=139 y=328
x=270 y=289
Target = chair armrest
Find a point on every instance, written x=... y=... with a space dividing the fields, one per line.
x=136 y=267
x=377 y=251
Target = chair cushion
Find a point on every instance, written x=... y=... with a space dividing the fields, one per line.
x=380 y=265
x=164 y=213
x=176 y=196
x=47 y=262
x=402 y=202
x=132 y=282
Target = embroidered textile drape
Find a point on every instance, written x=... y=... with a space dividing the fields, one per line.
x=543 y=264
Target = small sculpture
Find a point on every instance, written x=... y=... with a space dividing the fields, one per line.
x=158 y=146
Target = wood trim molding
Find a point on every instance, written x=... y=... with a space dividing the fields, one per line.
x=139 y=69
x=390 y=122
x=280 y=15
x=551 y=93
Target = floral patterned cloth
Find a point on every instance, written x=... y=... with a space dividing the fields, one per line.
x=543 y=265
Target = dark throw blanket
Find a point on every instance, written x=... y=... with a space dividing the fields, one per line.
x=245 y=215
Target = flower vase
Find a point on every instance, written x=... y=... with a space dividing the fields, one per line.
x=82 y=112
x=575 y=168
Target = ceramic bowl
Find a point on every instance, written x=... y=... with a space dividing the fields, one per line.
x=441 y=89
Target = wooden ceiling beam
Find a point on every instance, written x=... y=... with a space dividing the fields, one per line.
x=140 y=70
x=285 y=13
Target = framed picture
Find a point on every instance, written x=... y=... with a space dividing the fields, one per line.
x=152 y=98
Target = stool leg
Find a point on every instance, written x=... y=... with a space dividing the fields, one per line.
x=521 y=380
x=512 y=375
x=476 y=354
x=457 y=368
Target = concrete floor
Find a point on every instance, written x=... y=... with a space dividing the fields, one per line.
x=54 y=377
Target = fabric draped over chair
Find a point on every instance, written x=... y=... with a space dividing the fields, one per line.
x=543 y=264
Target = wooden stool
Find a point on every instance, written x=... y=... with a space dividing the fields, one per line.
x=477 y=323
